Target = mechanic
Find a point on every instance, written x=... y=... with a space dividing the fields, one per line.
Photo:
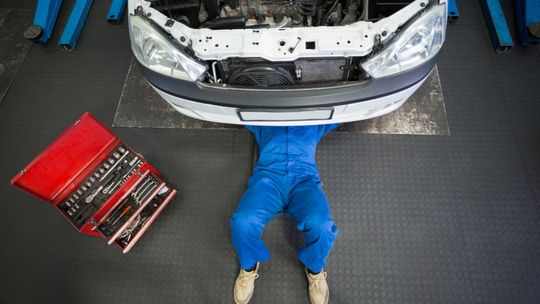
x=285 y=180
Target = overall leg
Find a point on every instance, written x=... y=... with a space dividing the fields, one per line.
x=261 y=202
x=308 y=205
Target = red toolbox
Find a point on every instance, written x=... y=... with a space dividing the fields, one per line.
x=100 y=185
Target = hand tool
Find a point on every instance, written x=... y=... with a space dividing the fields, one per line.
x=84 y=188
x=91 y=197
x=106 y=166
x=101 y=170
x=116 y=155
x=131 y=227
x=108 y=183
x=111 y=161
x=134 y=160
x=140 y=197
x=79 y=192
x=106 y=219
x=121 y=149
x=75 y=197
x=135 y=193
x=122 y=214
x=111 y=168
x=125 y=177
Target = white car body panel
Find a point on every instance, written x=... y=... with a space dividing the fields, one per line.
x=343 y=113
x=356 y=39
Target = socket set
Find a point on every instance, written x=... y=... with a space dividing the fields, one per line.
x=110 y=175
x=98 y=183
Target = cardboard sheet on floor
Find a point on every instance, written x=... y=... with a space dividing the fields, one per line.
x=423 y=114
x=13 y=46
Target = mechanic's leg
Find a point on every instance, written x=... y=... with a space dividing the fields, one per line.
x=261 y=202
x=308 y=205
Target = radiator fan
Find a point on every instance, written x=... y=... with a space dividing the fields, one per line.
x=261 y=76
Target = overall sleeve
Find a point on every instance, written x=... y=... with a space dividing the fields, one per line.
x=255 y=130
x=323 y=129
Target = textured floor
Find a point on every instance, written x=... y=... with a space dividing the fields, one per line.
x=423 y=219
x=14 y=46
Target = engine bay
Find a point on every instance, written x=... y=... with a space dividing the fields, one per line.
x=235 y=14
x=253 y=71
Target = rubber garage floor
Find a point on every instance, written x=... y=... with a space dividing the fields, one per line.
x=423 y=219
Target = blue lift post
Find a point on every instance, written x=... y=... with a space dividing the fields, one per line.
x=453 y=12
x=116 y=10
x=497 y=26
x=75 y=23
x=44 y=21
x=528 y=21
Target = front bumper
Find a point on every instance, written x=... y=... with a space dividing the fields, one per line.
x=362 y=100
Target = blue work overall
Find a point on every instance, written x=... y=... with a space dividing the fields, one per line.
x=285 y=180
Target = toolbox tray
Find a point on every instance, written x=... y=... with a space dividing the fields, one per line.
x=59 y=171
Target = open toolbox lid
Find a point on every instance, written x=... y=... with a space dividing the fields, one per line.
x=59 y=169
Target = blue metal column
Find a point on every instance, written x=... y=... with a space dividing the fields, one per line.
x=497 y=26
x=73 y=28
x=528 y=21
x=453 y=12
x=44 y=21
x=116 y=10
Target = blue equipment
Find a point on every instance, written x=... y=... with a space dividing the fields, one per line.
x=75 y=23
x=453 y=12
x=528 y=21
x=285 y=180
x=44 y=21
x=116 y=10
x=497 y=26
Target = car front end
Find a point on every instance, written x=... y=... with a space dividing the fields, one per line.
x=294 y=62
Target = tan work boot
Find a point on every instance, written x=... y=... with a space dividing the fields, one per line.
x=318 y=288
x=244 y=285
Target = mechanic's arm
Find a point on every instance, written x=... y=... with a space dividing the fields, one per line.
x=255 y=130
x=323 y=129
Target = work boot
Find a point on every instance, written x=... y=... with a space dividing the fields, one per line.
x=318 y=288
x=244 y=285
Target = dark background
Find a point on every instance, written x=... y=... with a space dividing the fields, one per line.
x=423 y=219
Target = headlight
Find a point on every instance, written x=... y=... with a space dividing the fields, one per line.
x=157 y=52
x=418 y=43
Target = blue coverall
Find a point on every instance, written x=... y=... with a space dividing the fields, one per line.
x=285 y=180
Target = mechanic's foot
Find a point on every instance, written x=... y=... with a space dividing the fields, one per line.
x=245 y=284
x=318 y=288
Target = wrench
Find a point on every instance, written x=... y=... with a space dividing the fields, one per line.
x=91 y=197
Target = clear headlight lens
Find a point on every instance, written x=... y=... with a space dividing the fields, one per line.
x=156 y=51
x=418 y=43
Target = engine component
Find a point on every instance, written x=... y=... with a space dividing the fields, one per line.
x=351 y=15
x=261 y=76
x=225 y=23
x=185 y=11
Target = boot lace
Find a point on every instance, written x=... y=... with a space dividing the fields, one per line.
x=317 y=282
x=247 y=277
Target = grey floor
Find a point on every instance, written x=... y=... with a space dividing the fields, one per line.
x=423 y=219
